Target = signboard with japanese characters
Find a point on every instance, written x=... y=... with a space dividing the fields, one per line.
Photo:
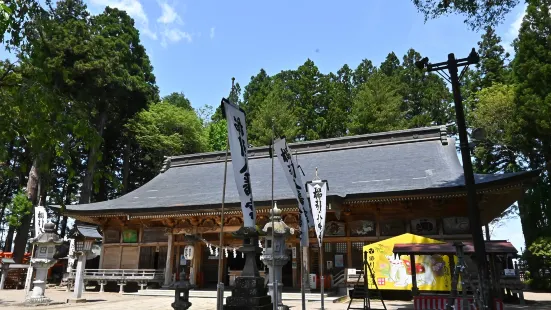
x=424 y=226
x=317 y=192
x=295 y=181
x=456 y=225
x=237 y=136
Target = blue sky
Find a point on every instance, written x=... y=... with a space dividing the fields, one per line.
x=197 y=46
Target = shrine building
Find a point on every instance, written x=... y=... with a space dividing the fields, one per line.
x=380 y=185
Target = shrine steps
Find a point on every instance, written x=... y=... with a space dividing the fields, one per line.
x=227 y=293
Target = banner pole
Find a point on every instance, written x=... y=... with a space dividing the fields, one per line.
x=220 y=286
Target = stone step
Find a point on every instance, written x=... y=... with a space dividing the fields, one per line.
x=212 y=294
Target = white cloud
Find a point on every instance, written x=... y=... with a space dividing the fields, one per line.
x=212 y=33
x=174 y=35
x=171 y=22
x=515 y=26
x=169 y=14
x=135 y=9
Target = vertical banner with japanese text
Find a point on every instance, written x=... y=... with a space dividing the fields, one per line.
x=295 y=182
x=40 y=218
x=237 y=136
x=317 y=192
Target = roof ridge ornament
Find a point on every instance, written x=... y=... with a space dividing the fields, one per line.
x=166 y=164
x=444 y=134
x=316 y=177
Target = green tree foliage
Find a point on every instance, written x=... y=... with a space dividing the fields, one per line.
x=479 y=13
x=275 y=111
x=217 y=135
x=19 y=208
x=377 y=106
x=165 y=129
x=179 y=100
x=531 y=72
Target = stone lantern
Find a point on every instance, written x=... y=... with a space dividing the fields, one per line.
x=45 y=258
x=84 y=237
x=274 y=255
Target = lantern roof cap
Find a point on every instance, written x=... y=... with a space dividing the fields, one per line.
x=49 y=236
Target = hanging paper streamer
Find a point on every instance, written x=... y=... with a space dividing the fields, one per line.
x=234 y=252
x=216 y=252
x=242 y=255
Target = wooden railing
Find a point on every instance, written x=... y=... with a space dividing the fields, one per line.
x=120 y=276
x=338 y=279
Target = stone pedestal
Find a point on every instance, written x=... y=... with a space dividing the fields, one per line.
x=79 y=280
x=41 y=265
x=249 y=292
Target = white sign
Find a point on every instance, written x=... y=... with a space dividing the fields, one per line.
x=40 y=218
x=71 y=256
x=294 y=251
x=509 y=272
x=295 y=181
x=317 y=192
x=237 y=135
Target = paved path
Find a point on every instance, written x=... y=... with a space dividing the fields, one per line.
x=11 y=299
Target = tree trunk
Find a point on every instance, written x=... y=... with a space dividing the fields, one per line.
x=64 y=220
x=9 y=239
x=88 y=181
x=126 y=167
x=23 y=230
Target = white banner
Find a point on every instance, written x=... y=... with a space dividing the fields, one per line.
x=40 y=218
x=317 y=192
x=295 y=182
x=237 y=135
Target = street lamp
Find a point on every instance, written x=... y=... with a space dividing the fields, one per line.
x=452 y=65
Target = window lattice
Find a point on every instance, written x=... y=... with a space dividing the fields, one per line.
x=340 y=247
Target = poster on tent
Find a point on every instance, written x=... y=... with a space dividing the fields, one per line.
x=394 y=273
x=237 y=136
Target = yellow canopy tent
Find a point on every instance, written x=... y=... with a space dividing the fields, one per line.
x=394 y=273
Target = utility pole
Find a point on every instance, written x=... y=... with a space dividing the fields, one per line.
x=452 y=65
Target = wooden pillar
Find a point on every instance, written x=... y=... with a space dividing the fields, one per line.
x=169 y=260
x=196 y=262
x=102 y=253
x=348 y=254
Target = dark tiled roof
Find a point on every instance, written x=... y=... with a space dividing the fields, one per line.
x=88 y=231
x=394 y=163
